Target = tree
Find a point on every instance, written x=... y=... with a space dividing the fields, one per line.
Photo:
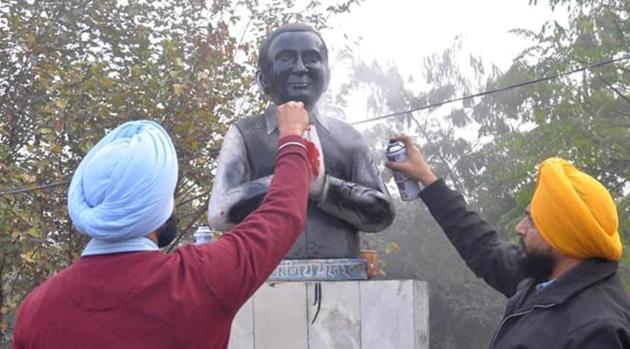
x=70 y=71
x=582 y=117
x=464 y=311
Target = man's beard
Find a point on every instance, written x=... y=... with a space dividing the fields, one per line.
x=537 y=264
x=167 y=232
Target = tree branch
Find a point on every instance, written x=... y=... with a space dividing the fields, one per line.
x=451 y=173
x=614 y=89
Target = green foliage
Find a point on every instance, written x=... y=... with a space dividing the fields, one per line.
x=582 y=117
x=72 y=70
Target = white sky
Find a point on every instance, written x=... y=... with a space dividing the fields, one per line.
x=403 y=32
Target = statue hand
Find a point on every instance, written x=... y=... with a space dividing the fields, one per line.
x=316 y=157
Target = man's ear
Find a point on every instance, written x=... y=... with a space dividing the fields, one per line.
x=263 y=84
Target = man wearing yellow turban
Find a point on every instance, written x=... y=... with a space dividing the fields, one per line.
x=562 y=283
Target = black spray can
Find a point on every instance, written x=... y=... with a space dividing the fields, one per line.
x=409 y=188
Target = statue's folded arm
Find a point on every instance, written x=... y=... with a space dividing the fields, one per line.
x=234 y=196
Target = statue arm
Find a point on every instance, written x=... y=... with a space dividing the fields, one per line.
x=234 y=196
x=363 y=201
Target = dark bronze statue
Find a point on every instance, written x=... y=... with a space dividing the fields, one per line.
x=293 y=65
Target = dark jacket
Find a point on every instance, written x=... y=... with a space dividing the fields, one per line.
x=587 y=307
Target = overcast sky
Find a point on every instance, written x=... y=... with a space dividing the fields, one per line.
x=402 y=32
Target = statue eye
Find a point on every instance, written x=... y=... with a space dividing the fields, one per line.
x=312 y=57
x=285 y=57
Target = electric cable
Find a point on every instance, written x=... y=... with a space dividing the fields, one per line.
x=405 y=112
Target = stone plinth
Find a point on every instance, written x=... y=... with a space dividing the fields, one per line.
x=352 y=314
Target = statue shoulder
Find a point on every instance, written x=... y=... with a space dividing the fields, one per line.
x=342 y=127
x=347 y=132
x=250 y=122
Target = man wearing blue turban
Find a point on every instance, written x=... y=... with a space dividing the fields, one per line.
x=123 y=292
x=123 y=189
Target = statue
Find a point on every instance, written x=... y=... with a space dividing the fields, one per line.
x=293 y=65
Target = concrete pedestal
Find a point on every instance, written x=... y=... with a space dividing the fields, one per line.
x=352 y=314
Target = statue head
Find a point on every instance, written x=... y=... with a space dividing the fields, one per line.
x=293 y=65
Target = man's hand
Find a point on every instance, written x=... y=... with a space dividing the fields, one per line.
x=292 y=119
x=415 y=166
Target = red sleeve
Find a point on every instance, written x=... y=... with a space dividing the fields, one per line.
x=238 y=263
x=17 y=342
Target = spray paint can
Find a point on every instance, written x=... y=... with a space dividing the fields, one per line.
x=203 y=235
x=409 y=188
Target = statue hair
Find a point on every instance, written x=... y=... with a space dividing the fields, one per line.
x=264 y=65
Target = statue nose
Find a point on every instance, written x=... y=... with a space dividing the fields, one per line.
x=299 y=66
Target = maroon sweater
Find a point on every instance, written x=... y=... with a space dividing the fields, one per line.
x=185 y=299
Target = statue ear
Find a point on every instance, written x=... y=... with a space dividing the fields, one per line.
x=262 y=81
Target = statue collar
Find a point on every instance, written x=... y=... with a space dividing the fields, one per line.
x=270 y=119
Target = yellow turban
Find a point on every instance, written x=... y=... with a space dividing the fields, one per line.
x=574 y=213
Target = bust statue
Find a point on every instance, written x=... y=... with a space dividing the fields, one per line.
x=293 y=66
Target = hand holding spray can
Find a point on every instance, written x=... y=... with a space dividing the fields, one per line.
x=203 y=235
x=409 y=188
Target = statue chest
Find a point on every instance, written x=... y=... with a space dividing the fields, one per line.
x=261 y=152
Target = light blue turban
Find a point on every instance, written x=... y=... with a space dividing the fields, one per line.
x=124 y=186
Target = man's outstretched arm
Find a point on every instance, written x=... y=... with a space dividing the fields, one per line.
x=475 y=240
x=246 y=255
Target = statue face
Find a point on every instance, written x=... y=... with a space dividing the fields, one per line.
x=299 y=70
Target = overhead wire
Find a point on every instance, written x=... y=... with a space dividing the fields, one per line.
x=56 y=184
x=30 y=189
x=400 y=113
x=492 y=91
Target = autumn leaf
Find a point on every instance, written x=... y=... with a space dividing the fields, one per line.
x=34 y=232
x=27 y=178
x=178 y=89
x=28 y=256
x=61 y=103
x=106 y=83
